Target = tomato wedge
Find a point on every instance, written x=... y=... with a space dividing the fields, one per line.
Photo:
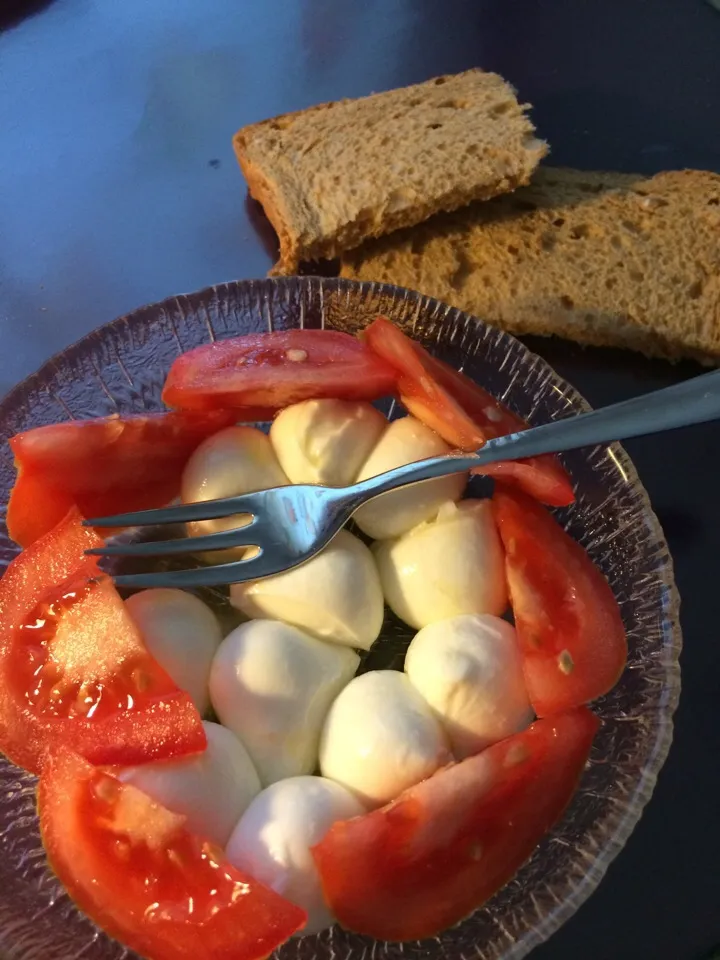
x=465 y=415
x=134 y=868
x=433 y=856
x=567 y=619
x=73 y=668
x=273 y=370
x=104 y=466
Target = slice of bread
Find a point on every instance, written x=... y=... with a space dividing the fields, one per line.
x=602 y=258
x=334 y=175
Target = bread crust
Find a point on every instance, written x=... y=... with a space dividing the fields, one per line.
x=338 y=173
x=605 y=259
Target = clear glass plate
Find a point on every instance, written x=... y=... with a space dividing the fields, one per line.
x=121 y=367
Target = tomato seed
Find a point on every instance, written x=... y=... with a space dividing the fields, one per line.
x=36 y=655
x=566 y=663
x=141 y=679
x=123 y=850
x=518 y=753
x=296 y=356
x=106 y=789
x=212 y=853
x=175 y=858
x=475 y=851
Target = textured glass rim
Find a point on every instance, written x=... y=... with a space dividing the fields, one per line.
x=620 y=827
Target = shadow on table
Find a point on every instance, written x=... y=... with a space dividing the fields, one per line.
x=13 y=12
x=262 y=226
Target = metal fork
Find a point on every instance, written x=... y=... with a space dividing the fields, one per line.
x=291 y=524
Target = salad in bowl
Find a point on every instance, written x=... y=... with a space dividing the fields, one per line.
x=371 y=745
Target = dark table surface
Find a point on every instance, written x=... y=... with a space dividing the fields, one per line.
x=118 y=186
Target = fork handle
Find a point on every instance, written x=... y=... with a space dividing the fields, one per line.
x=693 y=401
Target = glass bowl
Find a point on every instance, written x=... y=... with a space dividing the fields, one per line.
x=121 y=367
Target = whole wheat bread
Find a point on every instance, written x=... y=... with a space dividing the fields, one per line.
x=331 y=176
x=602 y=258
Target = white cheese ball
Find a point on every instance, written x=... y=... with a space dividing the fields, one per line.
x=335 y=596
x=212 y=789
x=233 y=461
x=272 y=841
x=405 y=441
x=449 y=566
x=272 y=685
x=380 y=737
x=182 y=633
x=325 y=441
x=469 y=669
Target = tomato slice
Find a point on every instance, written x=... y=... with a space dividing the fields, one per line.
x=133 y=867
x=104 y=466
x=465 y=415
x=273 y=370
x=73 y=668
x=567 y=619
x=433 y=856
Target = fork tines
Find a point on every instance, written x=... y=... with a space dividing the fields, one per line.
x=181 y=513
x=245 y=535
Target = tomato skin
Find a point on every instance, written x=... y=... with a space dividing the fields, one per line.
x=103 y=466
x=542 y=477
x=256 y=371
x=567 y=619
x=133 y=867
x=465 y=415
x=35 y=507
x=97 y=659
x=426 y=861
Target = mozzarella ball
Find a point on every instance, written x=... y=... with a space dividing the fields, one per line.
x=335 y=596
x=272 y=685
x=233 y=461
x=381 y=737
x=469 y=670
x=449 y=566
x=212 y=789
x=405 y=441
x=325 y=441
x=182 y=633
x=272 y=841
